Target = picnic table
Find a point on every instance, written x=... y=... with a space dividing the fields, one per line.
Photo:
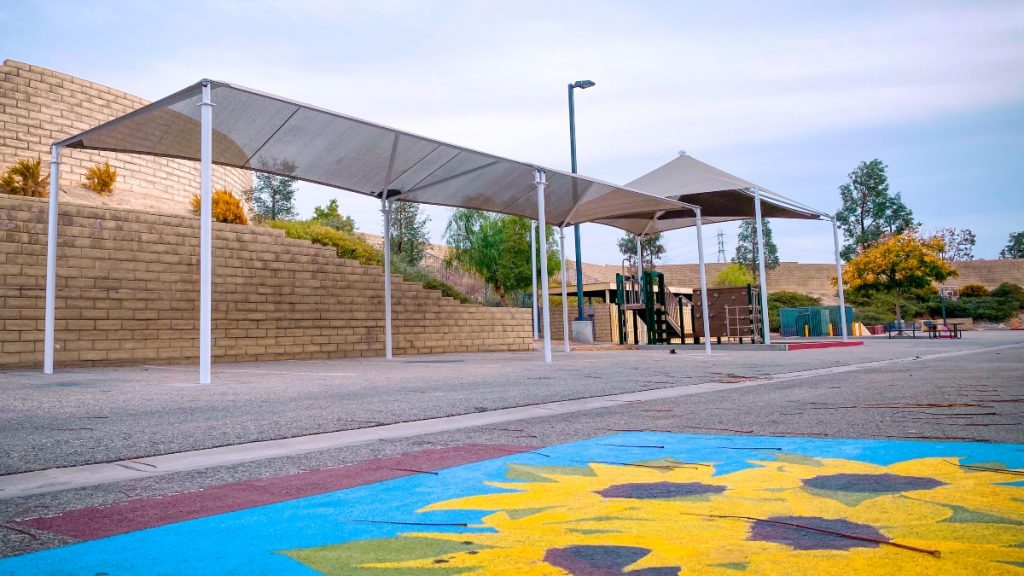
x=949 y=330
x=934 y=330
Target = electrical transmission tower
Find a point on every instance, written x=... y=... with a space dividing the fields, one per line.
x=721 y=246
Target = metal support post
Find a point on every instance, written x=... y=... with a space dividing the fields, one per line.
x=533 y=274
x=639 y=261
x=703 y=286
x=575 y=227
x=51 y=262
x=760 y=264
x=540 y=181
x=385 y=209
x=565 y=298
x=579 y=274
x=839 y=279
x=205 y=236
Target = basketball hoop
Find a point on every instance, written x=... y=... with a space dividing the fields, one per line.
x=949 y=293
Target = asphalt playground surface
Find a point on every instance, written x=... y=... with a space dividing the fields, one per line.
x=130 y=461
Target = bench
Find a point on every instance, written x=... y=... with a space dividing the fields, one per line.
x=900 y=329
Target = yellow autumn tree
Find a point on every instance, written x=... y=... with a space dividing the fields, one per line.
x=900 y=263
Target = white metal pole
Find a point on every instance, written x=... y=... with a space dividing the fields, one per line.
x=703 y=286
x=639 y=272
x=839 y=277
x=760 y=264
x=533 y=274
x=385 y=209
x=565 y=297
x=51 y=262
x=639 y=258
x=542 y=225
x=205 y=236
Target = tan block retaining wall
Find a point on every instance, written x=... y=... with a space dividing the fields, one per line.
x=127 y=293
x=39 y=106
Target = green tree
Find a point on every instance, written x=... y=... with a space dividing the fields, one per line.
x=869 y=212
x=273 y=197
x=330 y=216
x=1014 y=246
x=746 y=247
x=733 y=274
x=959 y=244
x=409 y=238
x=898 y=265
x=497 y=247
x=651 y=245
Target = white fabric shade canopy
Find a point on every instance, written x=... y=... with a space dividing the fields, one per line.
x=219 y=123
x=267 y=133
x=722 y=197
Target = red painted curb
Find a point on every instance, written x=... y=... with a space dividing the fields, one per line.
x=142 y=513
x=814 y=345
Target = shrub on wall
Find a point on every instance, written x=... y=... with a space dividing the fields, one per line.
x=735 y=274
x=973 y=291
x=1010 y=290
x=987 y=308
x=25 y=178
x=786 y=299
x=428 y=280
x=227 y=207
x=346 y=244
x=873 y=317
x=353 y=247
x=101 y=178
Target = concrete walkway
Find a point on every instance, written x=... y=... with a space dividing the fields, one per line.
x=97 y=437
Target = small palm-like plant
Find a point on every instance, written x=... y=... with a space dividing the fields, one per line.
x=227 y=207
x=101 y=178
x=25 y=179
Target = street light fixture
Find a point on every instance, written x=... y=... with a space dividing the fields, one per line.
x=582 y=85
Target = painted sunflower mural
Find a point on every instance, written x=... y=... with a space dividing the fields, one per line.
x=785 y=514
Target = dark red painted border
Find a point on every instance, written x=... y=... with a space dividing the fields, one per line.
x=142 y=513
x=815 y=345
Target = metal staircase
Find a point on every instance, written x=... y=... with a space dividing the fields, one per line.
x=655 y=311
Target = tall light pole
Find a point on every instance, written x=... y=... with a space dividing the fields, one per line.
x=582 y=85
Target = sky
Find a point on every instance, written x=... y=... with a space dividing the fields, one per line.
x=789 y=95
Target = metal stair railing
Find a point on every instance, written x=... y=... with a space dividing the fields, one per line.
x=632 y=291
x=672 y=306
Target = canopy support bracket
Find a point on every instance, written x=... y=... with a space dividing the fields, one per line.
x=453 y=177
